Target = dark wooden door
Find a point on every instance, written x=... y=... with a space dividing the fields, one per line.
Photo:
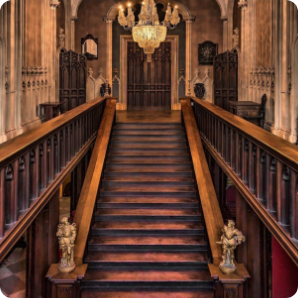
x=149 y=84
x=225 y=79
x=72 y=80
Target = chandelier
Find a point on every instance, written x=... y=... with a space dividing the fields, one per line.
x=148 y=32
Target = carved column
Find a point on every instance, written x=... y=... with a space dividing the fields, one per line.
x=109 y=61
x=188 y=46
x=54 y=5
x=243 y=60
x=73 y=34
x=225 y=34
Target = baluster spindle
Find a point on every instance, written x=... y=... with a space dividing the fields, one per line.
x=2 y=202
x=285 y=195
x=258 y=178
x=15 y=191
x=50 y=159
x=27 y=181
x=237 y=153
x=62 y=142
x=278 y=190
x=294 y=206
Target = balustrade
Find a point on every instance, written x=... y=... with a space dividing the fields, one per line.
x=263 y=167
x=35 y=163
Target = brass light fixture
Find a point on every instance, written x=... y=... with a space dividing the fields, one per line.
x=148 y=32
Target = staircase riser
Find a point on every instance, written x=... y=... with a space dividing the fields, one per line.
x=149 y=286
x=149 y=218
x=146 y=193
x=162 y=175
x=161 y=142
x=147 y=205
x=149 y=266
x=148 y=168
x=105 y=232
x=159 y=184
x=147 y=248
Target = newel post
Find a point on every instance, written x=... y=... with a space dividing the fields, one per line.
x=229 y=285
x=62 y=285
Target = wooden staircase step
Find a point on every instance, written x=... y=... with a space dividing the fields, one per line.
x=145 y=153
x=143 y=199
x=89 y=293
x=174 y=276
x=147 y=177
x=169 y=146
x=107 y=183
x=148 y=138
x=148 y=257
x=127 y=126
x=139 y=228
x=149 y=240
x=148 y=132
x=170 y=191
x=117 y=214
x=147 y=244
x=148 y=159
x=164 y=168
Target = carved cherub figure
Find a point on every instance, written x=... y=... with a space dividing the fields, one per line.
x=230 y=238
x=66 y=234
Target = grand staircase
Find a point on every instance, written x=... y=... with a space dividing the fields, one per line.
x=148 y=236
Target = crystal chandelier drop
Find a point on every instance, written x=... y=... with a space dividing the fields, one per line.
x=148 y=32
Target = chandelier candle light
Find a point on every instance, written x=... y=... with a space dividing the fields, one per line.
x=148 y=32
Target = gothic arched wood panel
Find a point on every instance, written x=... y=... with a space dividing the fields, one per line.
x=225 y=79
x=149 y=84
x=72 y=80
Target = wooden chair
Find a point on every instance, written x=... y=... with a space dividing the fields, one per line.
x=261 y=116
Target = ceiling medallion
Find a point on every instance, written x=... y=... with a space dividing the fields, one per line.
x=148 y=32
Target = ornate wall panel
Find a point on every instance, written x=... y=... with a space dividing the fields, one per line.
x=72 y=80
x=149 y=84
x=225 y=79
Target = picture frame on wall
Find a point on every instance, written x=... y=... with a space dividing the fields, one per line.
x=206 y=52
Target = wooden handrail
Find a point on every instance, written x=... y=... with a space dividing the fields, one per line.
x=211 y=210
x=33 y=165
x=85 y=208
x=14 y=147
x=262 y=166
x=277 y=146
x=210 y=206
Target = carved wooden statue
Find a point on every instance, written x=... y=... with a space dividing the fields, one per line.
x=66 y=234
x=230 y=238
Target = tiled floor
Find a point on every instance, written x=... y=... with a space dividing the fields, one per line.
x=13 y=272
x=13 y=275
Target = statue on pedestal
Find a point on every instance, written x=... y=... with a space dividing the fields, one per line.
x=230 y=238
x=66 y=234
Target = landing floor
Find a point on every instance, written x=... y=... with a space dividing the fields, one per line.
x=148 y=116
